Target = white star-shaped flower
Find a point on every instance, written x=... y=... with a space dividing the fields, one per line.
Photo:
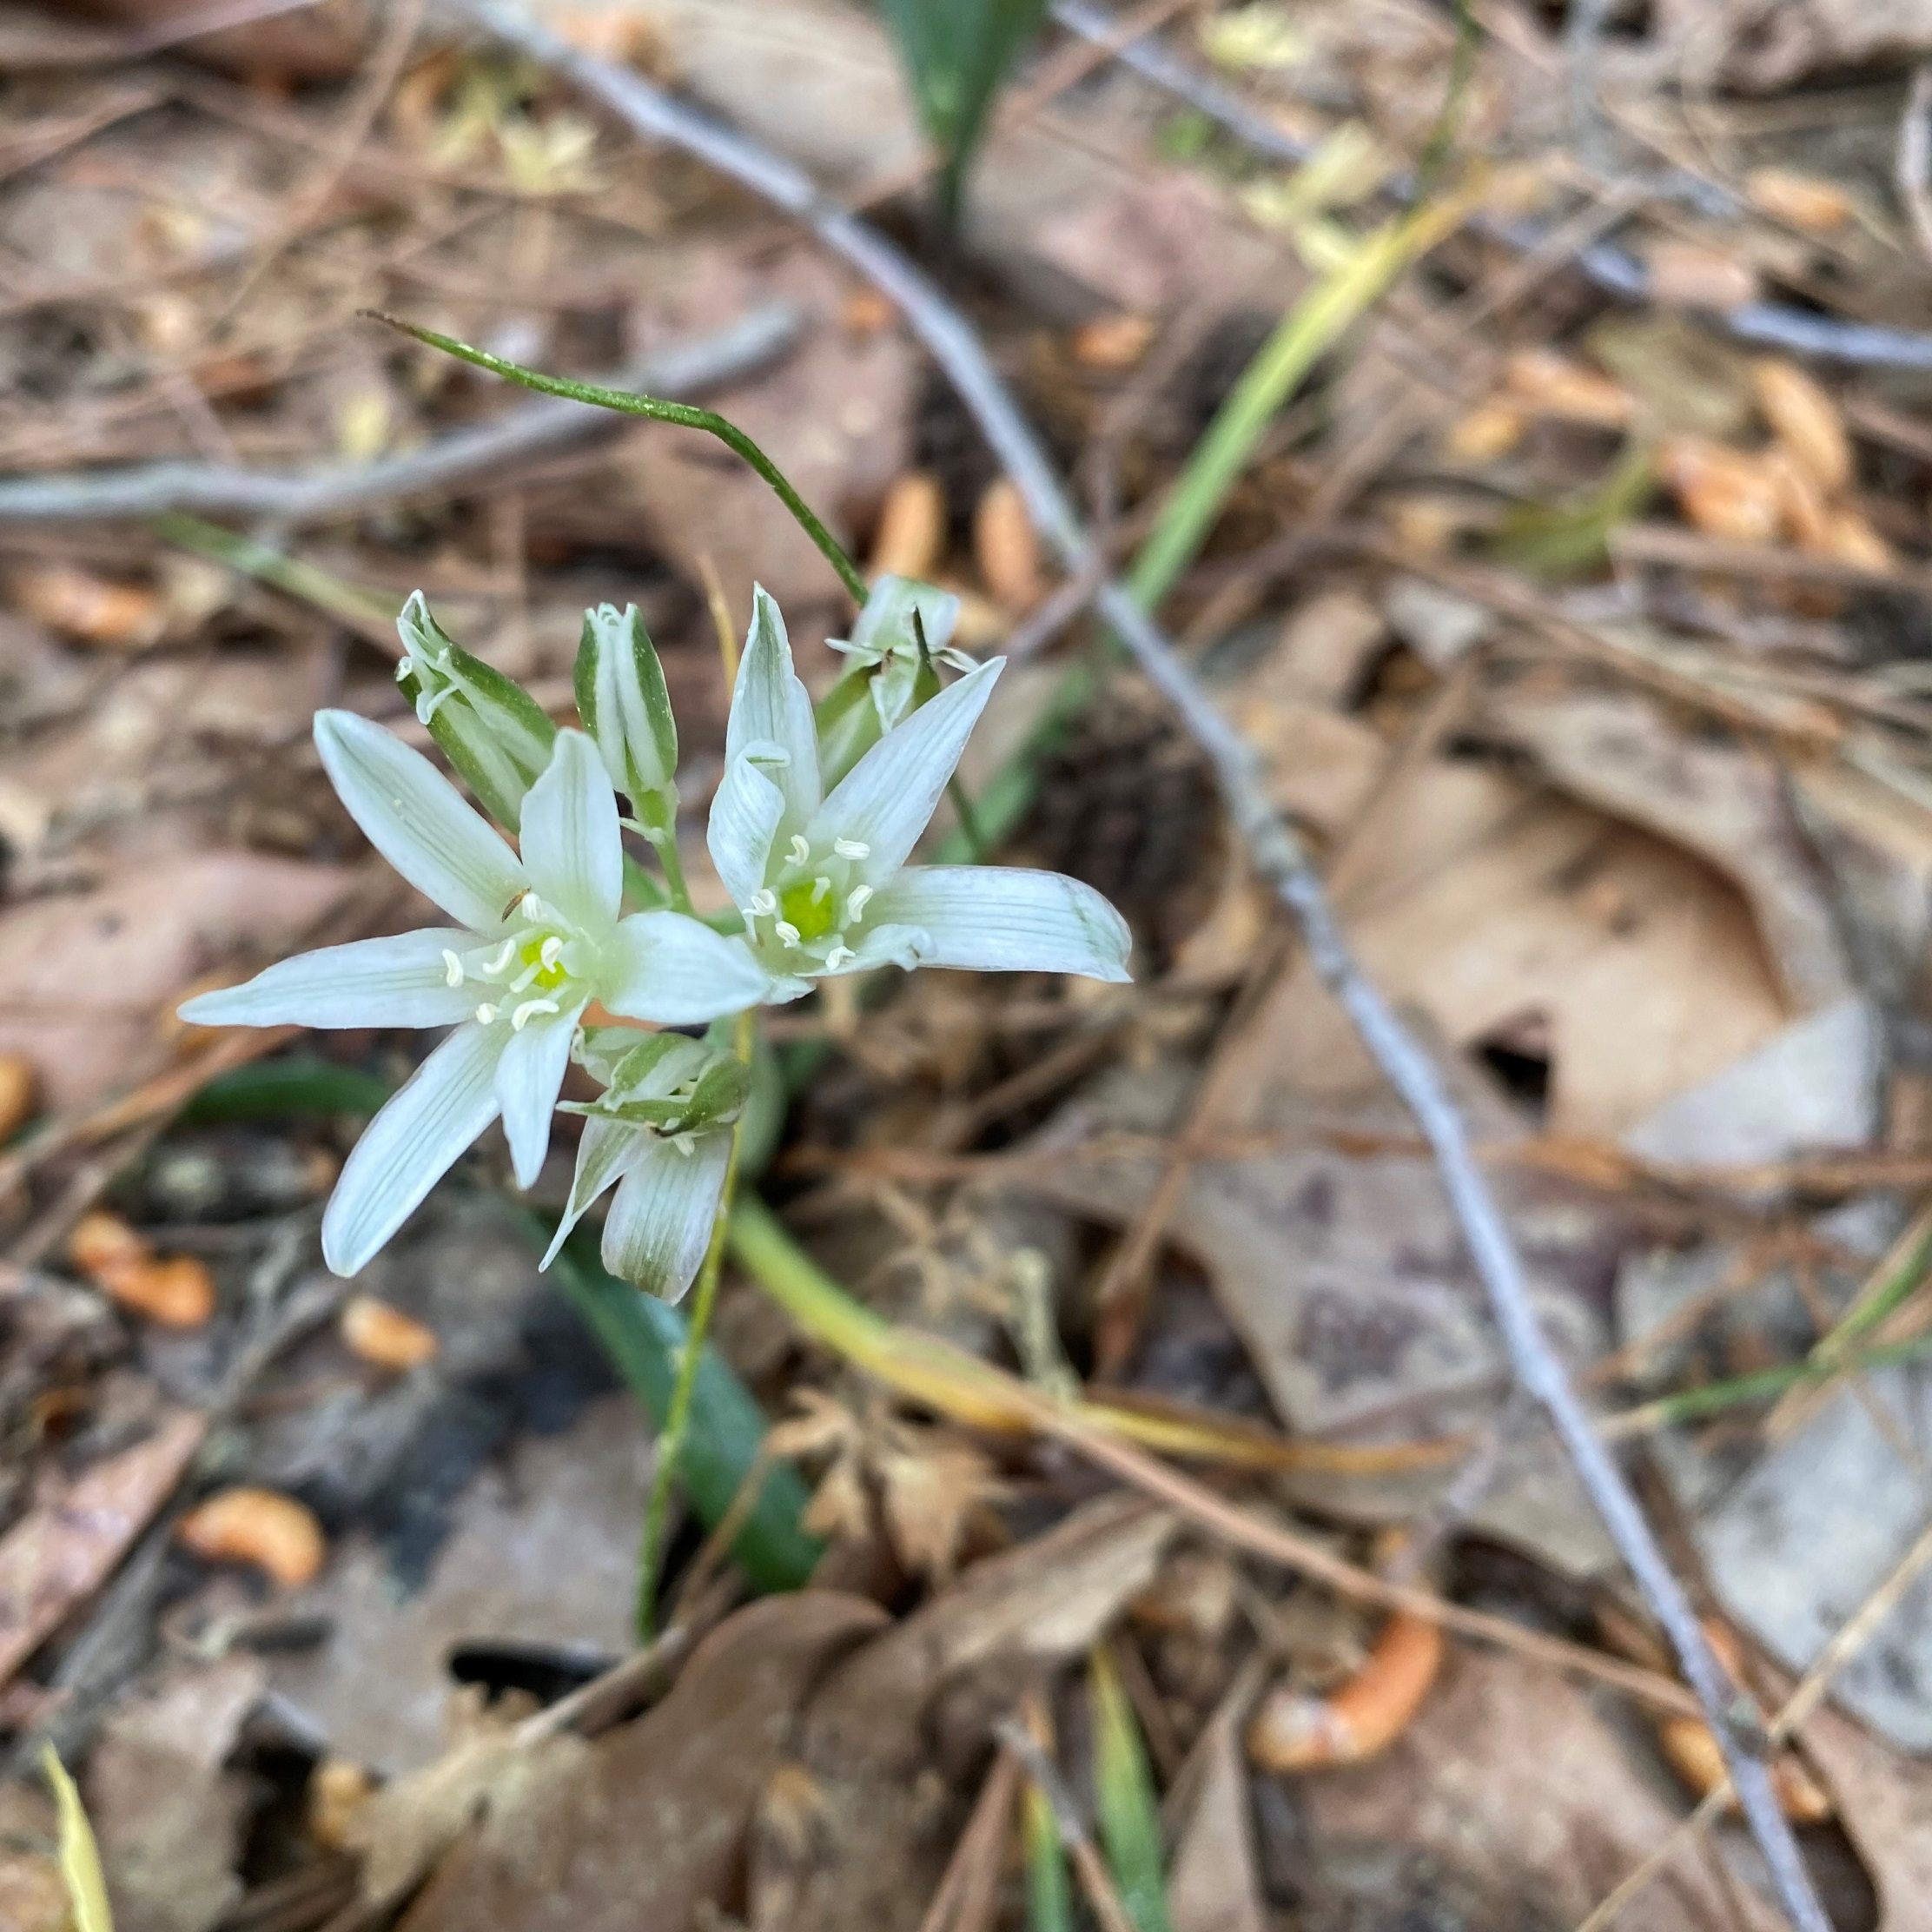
x=539 y=937
x=821 y=879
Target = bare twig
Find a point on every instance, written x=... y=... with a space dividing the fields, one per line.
x=1851 y=1637
x=1274 y=851
x=1612 y=269
x=1913 y=170
x=47 y=47
x=333 y=490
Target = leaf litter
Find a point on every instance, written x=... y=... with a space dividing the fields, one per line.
x=1606 y=712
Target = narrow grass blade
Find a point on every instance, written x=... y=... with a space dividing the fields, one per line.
x=80 y=1857
x=1050 y=1900
x=273 y=1090
x=644 y=1338
x=1124 y=1802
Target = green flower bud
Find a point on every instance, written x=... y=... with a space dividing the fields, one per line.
x=902 y=635
x=622 y=700
x=665 y=1081
x=488 y=727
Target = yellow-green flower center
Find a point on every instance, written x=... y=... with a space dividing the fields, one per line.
x=810 y=906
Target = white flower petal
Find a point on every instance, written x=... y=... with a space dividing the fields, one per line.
x=660 y=1223
x=402 y=981
x=607 y=1152
x=414 y=816
x=769 y=706
x=1000 y=919
x=572 y=850
x=409 y=1145
x=888 y=944
x=672 y=969
x=528 y=1078
x=745 y=812
x=886 y=800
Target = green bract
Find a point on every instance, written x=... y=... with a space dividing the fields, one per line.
x=891 y=667
x=487 y=725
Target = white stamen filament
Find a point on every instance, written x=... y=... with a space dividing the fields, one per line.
x=452 y=968
x=524 y=981
x=852 y=848
x=498 y=960
x=855 y=906
x=800 y=850
x=820 y=887
x=529 y=1011
x=550 y=951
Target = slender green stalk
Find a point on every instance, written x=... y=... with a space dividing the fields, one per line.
x=664 y=844
x=356 y=606
x=1049 y=1902
x=1130 y=1814
x=684 y=413
x=1304 y=334
x=1761 y=1386
x=671 y=1438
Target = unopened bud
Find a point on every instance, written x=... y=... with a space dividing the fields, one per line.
x=488 y=727
x=622 y=700
x=903 y=634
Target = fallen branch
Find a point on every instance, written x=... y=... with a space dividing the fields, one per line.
x=336 y=490
x=1275 y=853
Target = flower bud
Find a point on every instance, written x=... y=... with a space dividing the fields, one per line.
x=664 y=1083
x=488 y=727
x=903 y=632
x=622 y=700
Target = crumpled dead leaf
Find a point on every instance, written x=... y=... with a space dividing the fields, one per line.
x=167 y=1817
x=83 y=978
x=1510 y=1783
x=61 y=1552
x=1214 y=1884
x=885 y=1814
x=1884 y=1802
x=640 y=1827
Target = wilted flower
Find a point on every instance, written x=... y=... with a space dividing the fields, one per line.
x=820 y=878
x=662 y=1134
x=538 y=938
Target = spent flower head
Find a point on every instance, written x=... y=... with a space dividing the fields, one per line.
x=539 y=937
x=892 y=659
x=819 y=873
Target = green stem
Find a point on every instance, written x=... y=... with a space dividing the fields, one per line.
x=671 y=1440
x=372 y=611
x=664 y=844
x=1763 y=1385
x=686 y=414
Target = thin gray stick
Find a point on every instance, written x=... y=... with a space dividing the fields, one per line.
x=1614 y=270
x=292 y=498
x=1583 y=36
x=1275 y=853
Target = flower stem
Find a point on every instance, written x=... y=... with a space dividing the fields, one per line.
x=671 y=1439
x=664 y=844
x=688 y=415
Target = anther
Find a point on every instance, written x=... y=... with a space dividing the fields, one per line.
x=531 y=906
x=788 y=933
x=498 y=960
x=550 y=951
x=529 y=1011
x=485 y=1014
x=839 y=956
x=852 y=848
x=764 y=901
x=452 y=968
x=800 y=850
x=855 y=905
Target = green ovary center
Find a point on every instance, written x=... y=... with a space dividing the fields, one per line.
x=811 y=907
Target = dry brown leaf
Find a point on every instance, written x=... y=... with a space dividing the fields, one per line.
x=270 y=1532
x=62 y=1552
x=1803 y=417
x=90 y=609
x=841 y=1506
x=1112 y=342
x=1694 y=274
x=931 y=1493
x=18 y=1095
x=84 y=976
x=1724 y=801
x=911 y=533
x=1006 y=547
x=1546 y=383
x=385 y=1336
x=888 y=1815
x=1487 y=432
x=1216 y=1884
x=1884 y=1802
x=1722 y=491
x=1763 y=46
x=639 y=1828
x=1511 y=1783
x=1806 y=201
x=1324 y=653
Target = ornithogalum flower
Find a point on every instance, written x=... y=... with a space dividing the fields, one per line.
x=820 y=878
x=538 y=938
x=661 y=1134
